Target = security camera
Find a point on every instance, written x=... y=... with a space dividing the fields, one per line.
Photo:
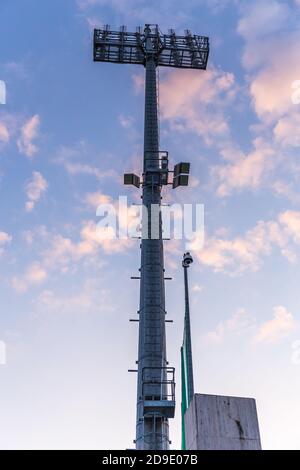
x=187 y=260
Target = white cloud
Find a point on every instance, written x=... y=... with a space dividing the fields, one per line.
x=197 y=288
x=261 y=18
x=287 y=130
x=64 y=253
x=243 y=171
x=29 y=133
x=236 y=255
x=126 y=121
x=5 y=239
x=195 y=101
x=85 y=169
x=35 y=189
x=240 y=322
x=290 y=220
x=282 y=188
x=34 y=275
x=95 y=199
x=59 y=253
x=91 y=297
x=4 y=133
x=39 y=232
x=73 y=160
x=271 y=31
x=279 y=327
x=138 y=82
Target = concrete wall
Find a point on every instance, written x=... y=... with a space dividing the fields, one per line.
x=213 y=422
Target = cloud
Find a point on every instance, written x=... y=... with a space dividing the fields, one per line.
x=63 y=252
x=72 y=159
x=241 y=253
x=271 y=31
x=95 y=199
x=83 y=4
x=271 y=88
x=138 y=82
x=282 y=188
x=128 y=217
x=85 y=169
x=29 y=132
x=34 y=275
x=168 y=13
x=279 y=327
x=262 y=17
x=243 y=171
x=92 y=296
x=240 y=322
x=4 y=133
x=126 y=121
x=290 y=220
x=5 y=239
x=195 y=100
x=287 y=130
x=197 y=288
x=238 y=254
x=35 y=189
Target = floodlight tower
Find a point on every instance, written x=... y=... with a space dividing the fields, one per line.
x=155 y=382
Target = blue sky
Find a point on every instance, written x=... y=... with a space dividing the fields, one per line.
x=69 y=129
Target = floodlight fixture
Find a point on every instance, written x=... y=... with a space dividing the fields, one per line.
x=171 y=50
x=182 y=168
x=132 y=179
x=181 y=180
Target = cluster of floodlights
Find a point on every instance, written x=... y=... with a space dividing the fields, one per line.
x=171 y=50
x=181 y=174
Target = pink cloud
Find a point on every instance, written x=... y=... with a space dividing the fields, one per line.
x=271 y=53
x=243 y=171
x=291 y=222
x=238 y=323
x=35 y=189
x=5 y=239
x=95 y=199
x=236 y=255
x=279 y=327
x=4 y=133
x=287 y=130
x=29 y=132
x=34 y=275
x=194 y=100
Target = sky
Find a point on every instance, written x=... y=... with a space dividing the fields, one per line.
x=69 y=129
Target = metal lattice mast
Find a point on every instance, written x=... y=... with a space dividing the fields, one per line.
x=152 y=430
x=156 y=386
